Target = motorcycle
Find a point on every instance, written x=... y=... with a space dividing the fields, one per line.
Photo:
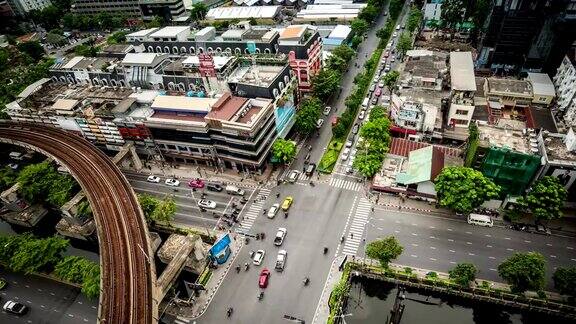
x=325 y=250
x=261 y=295
x=306 y=281
x=238 y=269
x=285 y=215
x=229 y=311
x=342 y=239
x=246 y=266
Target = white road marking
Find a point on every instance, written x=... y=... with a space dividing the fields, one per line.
x=80 y=302
x=414 y=224
x=526 y=241
x=57 y=311
x=29 y=302
x=450 y=240
x=488 y=246
x=452 y=251
x=469 y=243
x=413 y=244
x=432 y=259
x=53 y=294
x=468 y=232
x=94 y=307
x=471 y=254
x=396 y=231
x=492 y=269
x=433 y=248
x=432 y=227
x=487 y=235
x=452 y=262
x=491 y=257
x=573 y=259
x=414 y=234
x=570 y=248
x=432 y=237
x=85 y=320
x=552 y=256
x=397 y=222
x=42 y=306
x=26 y=286
x=509 y=249
x=70 y=315
x=548 y=244
x=507 y=238
x=413 y=255
x=449 y=229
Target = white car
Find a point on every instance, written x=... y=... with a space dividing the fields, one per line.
x=172 y=182
x=361 y=115
x=319 y=123
x=280 y=235
x=293 y=176
x=153 y=178
x=273 y=210
x=258 y=257
x=395 y=34
x=327 y=110
x=345 y=154
x=387 y=68
x=392 y=59
x=204 y=203
x=349 y=143
x=381 y=85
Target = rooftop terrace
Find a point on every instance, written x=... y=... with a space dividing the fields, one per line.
x=503 y=137
x=260 y=75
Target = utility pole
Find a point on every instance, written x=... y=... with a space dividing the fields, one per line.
x=399 y=306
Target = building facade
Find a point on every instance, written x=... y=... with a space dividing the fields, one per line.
x=463 y=89
x=22 y=7
x=565 y=84
x=129 y=8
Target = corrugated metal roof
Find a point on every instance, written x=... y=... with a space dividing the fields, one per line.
x=541 y=84
x=340 y=32
x=462 y=71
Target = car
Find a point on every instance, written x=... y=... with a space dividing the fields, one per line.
x=349 y=170
x=280 y=235
x=273 y=210
x=372 y=88
x=381 y=85
x=214 y=187
x=153 y=178
x=353 y=152
x=319 y=123
x=351 y=162
x=392 y=59
x=403 y=25
x=361 y=115
x=397 y=27
x=258 y=257
x=345 y=154
x=387 y=68
x=196 y=183
x=263 y=278
x=13 y=166
x=349 y=143
x=355 y=129
x=374 y=100
x=307 y=158
x=378 y=92
x=205 y=203
x=15 y=307
x=3 y=283
x=395 y=34
x=293 y=176
x=287 y=203
x=335 y=120
x=327 y=110
x=281 y=260
x=386 y=53
x=172 y=182
x=310 y=169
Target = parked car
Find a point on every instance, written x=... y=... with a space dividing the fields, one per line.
x=172 y=182
x=319 y=123
x=258 y=257
x=264 y=278
x=355 y=129
x=287 y=203
x=361 y=115
x=281 y=260
x=280 y=235
x=293 y=176
x=387 y=68
x=374 y=100
x=273 y=210
x=204 y=203
x=327 y=110
x=13 y=166
x=234 y=190
x=153 y=178
x=386 y=53
x=310 y=169
x=395 y=35
x=196 y=183
x=15 y=307
x=214 y=187
x=378 y=92
x=349 y=143
x=345 y=154
x=372 y=87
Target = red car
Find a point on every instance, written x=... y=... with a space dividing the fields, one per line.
x=196 y=183
x=263 y=279
x=335 y=120
x=386 y=54
x=378 y=92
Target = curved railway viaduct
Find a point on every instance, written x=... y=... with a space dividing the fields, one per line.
x=128 y=276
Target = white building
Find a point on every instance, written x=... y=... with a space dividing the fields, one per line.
x=23 y=7
x=463 y=85
x=413 y=115
x=565 y=84
x=432 y=9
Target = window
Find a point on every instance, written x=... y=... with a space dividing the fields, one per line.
x=192 y=50
x=174 y=50
x=460 y=121
x=461 y=112
x=158 y=49
x=410 y=124
x=183 y=50
x=150 y=49
x=237 y=50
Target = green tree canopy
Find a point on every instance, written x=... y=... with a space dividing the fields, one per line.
x=7 y=178
x=452 y=12
x=404 y=43
x=35 y=254
x=367 y=164
x=165 y=211
x=325 y=83
x=359 y=26
x=86 y=50
x=340 y=130
x=55 y=39
x=198 y=11
x=42 y=183
x=463 y=189
x=414 y=19
x=546 y=199
x=565 y=280
x=33 y=49
x=80 y=271
x=524 y=271
x=307 y=115
x=369 y=13
x=376 y=130
x=390 y=80
x=384 y=250
x=283 y=150
x=117 y=38
x=148 y=205
x=378 y=112
x=463 y=274
x=344 y=51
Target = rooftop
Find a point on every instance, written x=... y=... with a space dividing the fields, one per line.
x=226 y=107
x=150 y=59
x=556 y=148
x=462 y=71
x=219 y=61
x=293 y=32
x=504 y=137
x=423 y=165
x=142 y=33
x=426 y=66
x=170 y=31
x=509 y=86
x=340 y=32
x=182 y=103
x=402 y=147
x=541 y=84
x=260 y=75
x=236 y=12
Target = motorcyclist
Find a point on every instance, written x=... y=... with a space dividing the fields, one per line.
x=246 y=266
x=229 y=311
x=238 y=268
x=325 y=250
x=306 y=281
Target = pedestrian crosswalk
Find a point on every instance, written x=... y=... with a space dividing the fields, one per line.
x=301 y=175
x=181 y=320
x=345 y=184
x=355 y=233
x=254 y=210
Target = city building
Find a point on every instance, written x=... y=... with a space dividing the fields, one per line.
x=130 y=8
x=411 y=116
x=542 y=89
x=565 y=84
x=22 y=7
x=235 y=12
x=167 y=9
x=339 y=35
x=343 y=11
x=424 y=69
x=509 y=157
x=5 y=9
x=303 y=45
x=507 y=99
x=433 y=9
x=463 y=89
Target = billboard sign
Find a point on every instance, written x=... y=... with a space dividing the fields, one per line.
x=206 y=65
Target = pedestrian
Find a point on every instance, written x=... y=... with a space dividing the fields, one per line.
x=351 y=235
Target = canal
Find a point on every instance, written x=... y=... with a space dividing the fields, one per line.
x=371 y=301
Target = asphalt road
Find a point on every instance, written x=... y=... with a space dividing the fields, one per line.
x=188 y=213
x=315 y=220
x=48 y=301
x=438 y=243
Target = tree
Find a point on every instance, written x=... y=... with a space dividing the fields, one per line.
x=117 y=37
x=377 y=112
x=546 y=198
x=325 y=83
x=565 y=280
x=344 y=51
x=56 y=39
x=36 y=254
x=33 y=49
x=463 y=274
x=384 y=250
x=198 y=11
x=156 y=22
x=308 y=115
x=148 y=205
x=283 y=151
x=524 y=271
x=369 y=13
x=463 y=189
x=452 y=12
x=48 y=17
x=358 y=26
x=86 y=50
x=376 y=130
x=7 y=178
x=42 y=183
x=165 y=211
x=356 y=41
x=367 y=164
x=340 y=130
x=80 y=271
x=404 y=43
x=414 y=19
x=390 y=80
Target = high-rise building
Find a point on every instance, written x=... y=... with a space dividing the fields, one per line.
x=22 y=7
x=565 y=84
x=527 y=35
x=126 y=7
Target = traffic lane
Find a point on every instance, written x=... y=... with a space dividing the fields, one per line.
x=315 y=220
x=48 y=301
x=433 y=241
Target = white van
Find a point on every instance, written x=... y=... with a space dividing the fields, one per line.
x=233 y=190
x=365 y=102
x=480 y=220
x=16 y=156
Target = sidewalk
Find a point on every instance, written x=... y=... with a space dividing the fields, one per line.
x=322 y=310
x=184 y=310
